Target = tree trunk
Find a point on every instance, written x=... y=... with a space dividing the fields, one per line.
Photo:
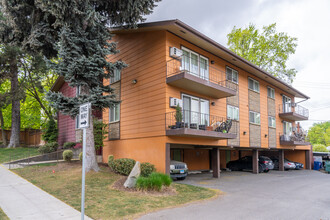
x=3 y=132
x=16 y=111
x=91 y=163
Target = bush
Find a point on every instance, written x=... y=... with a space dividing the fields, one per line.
x=68 y=145
x=320 y=148
x=123 y=165
x=154 y=182
x=147 y=169
x=81 y=156
x=51 y=132
x=48 y=148
x=67 y=155
x=100 y=133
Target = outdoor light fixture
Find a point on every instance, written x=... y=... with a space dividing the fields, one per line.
x=266 y=135
x=244 y=132
x=134 y=81
x=212 y=62
x=213 y=103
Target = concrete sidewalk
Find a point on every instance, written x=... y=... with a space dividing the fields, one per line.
x=20 y=199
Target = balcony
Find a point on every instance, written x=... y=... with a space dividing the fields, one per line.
x=199 y=125
x=199 y=77
x=293 y=112
x=295 y=139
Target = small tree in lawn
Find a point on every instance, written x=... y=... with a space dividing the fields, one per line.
x=51 y=132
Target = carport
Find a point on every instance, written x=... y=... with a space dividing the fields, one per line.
x=204 y=158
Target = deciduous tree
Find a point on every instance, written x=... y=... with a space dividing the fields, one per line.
x=268 y=49
x=319 y=134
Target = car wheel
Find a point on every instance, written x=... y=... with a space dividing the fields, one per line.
x=261 y=169
x=181 y=178
x=266 y=171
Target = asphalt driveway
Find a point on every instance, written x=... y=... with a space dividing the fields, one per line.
x=298 y=194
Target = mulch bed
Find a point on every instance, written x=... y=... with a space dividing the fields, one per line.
x=166 y=191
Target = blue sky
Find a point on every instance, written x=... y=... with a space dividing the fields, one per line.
x=308 y=20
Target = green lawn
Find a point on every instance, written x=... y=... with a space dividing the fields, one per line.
x=10 y=154
x=102 y=200
x=3 y=216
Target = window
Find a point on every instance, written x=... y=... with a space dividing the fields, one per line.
x=195 y=64
x=232 y=75
x=195 y=110
x=287 y=128
x=271 y=122
x=116 y=76
x=271 y=92
x=114 y=113
x=253 y=85
x=232 y=112
x=255 y=117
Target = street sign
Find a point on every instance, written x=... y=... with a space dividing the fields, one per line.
x=84 y=115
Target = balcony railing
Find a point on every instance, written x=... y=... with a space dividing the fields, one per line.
x=296 y=138
x=196 y=124
x=180 y=71
x=294 y=112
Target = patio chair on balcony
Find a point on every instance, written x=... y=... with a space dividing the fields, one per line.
x=224 y=127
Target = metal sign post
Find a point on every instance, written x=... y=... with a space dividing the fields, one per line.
x=84 y=114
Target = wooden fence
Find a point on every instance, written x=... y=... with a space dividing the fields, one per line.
x=29 y=137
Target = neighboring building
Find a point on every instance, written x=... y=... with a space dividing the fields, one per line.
x=67 y=127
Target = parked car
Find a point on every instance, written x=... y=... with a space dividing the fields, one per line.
x=245 y=163
x=288 y=165
x=178 y=170
x=298 y=165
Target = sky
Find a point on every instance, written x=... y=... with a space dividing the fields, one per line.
x=307 y=20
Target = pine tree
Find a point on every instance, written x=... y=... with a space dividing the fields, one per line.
x=77 y=33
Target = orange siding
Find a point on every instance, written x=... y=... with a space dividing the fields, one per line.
x=197 y=159
x=296 y=156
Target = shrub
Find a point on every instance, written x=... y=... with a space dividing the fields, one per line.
x=147 y=169
x=100 y=133
x=51 y=132
x=48 y=148
x=154 y=182
x=320 y=148
x=123 y=165
x=81 y=156
x=67 y=155
x=68 y=145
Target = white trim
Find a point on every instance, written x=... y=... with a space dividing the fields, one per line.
x=233 y=70
x=254 y=117
x=234 y=107
x=254 y=81
x=274 y=122
x=268 y=87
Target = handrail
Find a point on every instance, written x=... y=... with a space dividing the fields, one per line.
x=199 y=69
x=293 y=107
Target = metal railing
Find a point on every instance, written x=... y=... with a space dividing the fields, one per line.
x=199 y=69
x=293 y=107
x=293 y=137
x=199 y=121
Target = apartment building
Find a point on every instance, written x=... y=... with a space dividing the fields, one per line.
x=170 y=64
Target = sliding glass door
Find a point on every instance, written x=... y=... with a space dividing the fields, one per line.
x=195 y=64
x=195 y=110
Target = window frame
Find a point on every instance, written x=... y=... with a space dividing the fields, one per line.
x=198 y=63
x=233 y=70
x=254 y=83
x=273 y=92
x=271 y=125
x=116 y=77
x=114 y=108
x=254 y=118
x=234 y=108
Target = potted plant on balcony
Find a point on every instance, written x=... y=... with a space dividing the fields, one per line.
x=178 y=116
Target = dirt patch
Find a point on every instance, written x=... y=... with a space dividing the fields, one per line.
x=166 y=191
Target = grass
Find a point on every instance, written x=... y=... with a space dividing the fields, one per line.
x=3 y=216
x=10 y=154
x=102 y=201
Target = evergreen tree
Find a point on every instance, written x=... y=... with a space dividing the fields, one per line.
x=77 y=33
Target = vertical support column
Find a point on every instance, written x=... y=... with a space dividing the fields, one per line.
x=167 y=158
x=308 y=159
x=216 y=162
x=281 y=160
x=239 y=154
x=255 y=161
